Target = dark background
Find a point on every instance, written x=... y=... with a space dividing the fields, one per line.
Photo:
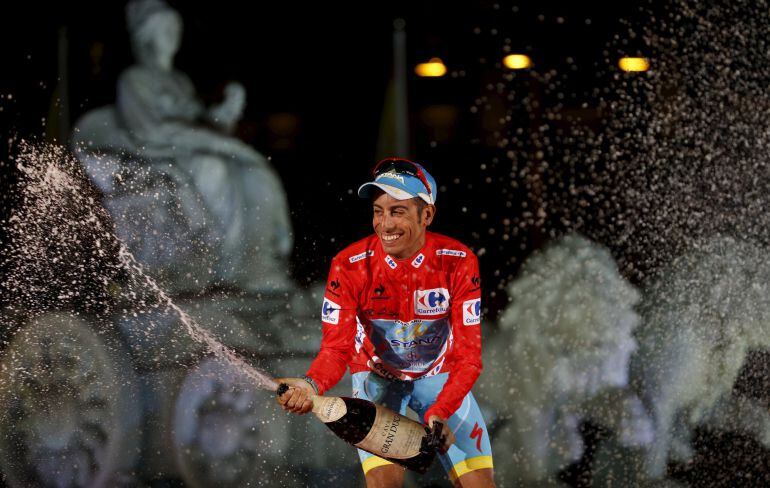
x=316 y=74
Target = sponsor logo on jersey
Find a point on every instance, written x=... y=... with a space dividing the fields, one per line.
x=418 y=260
x=334 y=286
x=330 y=312
x=411 y=330
x=431 y=302
x=419 y=366
x=450 y=252
x=419 y=341
x=360 y=336
x=412 y=334
x=379 y=293
x=477 y=433
x=391 y=262
x=476 y=281
x=472 y=312
x=375 y=364
x=360 y=256
x=381 y=312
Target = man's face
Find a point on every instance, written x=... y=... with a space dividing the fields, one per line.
x=399 y=225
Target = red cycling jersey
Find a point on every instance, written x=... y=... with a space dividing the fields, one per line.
x=403 y=319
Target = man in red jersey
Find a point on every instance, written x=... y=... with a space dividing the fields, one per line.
x=402 y=310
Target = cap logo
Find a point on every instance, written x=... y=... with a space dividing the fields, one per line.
x=392 y=175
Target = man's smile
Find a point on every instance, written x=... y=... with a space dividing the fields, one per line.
x=390 y=237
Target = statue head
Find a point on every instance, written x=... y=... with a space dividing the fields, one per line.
x=156 y=31
x=574 y=318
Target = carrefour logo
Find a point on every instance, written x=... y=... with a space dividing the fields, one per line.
x=360 y=256
x=433 y=299
x=472 y=312
x=431 y=302
x=330 y=312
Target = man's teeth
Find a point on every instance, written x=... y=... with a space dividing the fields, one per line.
x=391 y=237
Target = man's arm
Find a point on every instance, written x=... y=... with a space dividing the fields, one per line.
x=464 y=360
x=338 y=316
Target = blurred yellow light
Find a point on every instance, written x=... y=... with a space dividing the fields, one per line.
x=433 y=68
x=634 y=64
x=517 y=61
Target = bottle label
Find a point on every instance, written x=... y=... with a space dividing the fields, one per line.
x=329 y=409
x=393 y=436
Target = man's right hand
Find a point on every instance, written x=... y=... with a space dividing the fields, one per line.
x=297 y=398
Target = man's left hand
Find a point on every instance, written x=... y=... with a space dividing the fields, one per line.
x=447 y=436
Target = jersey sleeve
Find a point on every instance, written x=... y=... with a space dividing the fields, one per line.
x=464 y=359
x=338 y=319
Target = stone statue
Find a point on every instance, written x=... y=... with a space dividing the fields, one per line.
x=126 y=397
x=561 y=358
x=221 y=216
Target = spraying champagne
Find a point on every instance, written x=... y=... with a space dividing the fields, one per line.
x=377 y=430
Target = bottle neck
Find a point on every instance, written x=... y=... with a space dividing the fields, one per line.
x=328 y=408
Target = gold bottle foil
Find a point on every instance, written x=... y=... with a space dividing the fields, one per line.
x=328 y=409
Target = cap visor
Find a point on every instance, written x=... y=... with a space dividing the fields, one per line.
x=365 y=190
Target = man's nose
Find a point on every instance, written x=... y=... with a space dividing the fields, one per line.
x=388 y=222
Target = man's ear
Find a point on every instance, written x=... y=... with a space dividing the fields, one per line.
x=428 y=214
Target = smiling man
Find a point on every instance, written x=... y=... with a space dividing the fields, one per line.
x=402 y=310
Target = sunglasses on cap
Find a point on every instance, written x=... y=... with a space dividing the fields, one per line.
x=402 y=166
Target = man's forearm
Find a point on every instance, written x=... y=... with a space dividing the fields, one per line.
x=328 y=368
x=461 y=380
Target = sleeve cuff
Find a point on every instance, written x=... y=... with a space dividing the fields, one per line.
x=312 y=383
x=438 y=411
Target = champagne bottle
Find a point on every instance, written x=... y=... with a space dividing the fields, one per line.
x=377 y=429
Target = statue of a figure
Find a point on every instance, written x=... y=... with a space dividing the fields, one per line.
x=560 y=359
x=223 y=196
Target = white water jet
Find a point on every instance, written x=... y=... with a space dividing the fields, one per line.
x=53 y=198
